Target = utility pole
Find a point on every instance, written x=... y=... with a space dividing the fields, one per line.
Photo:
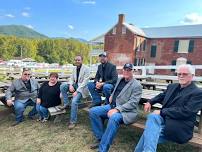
x=21 y=52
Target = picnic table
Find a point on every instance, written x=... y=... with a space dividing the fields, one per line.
x=153 y=85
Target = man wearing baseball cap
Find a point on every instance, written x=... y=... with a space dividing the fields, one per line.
x=122 y=109
x=104 y=82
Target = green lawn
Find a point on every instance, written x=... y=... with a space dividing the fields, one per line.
x=31 y=136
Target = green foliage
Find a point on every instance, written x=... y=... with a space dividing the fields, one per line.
x=60 y=51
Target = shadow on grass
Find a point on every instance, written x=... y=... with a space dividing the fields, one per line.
x=35 y=136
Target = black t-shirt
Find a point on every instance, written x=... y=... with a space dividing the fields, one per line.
x=50 y=95
x=119 y=88
x=27 y=85
x=77 y=73
x=103 y=72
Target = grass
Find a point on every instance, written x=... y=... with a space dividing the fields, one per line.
x=31 y=136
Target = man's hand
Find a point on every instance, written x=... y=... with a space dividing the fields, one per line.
x=110 y=99
x=111 y=112
x=157 y=112
x=38 y=101
x=99 y=85
x=9 y=102
x=71 y=88
x=75 y=93
x=147 y=107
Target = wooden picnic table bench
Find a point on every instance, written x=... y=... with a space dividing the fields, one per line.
x=153 y=85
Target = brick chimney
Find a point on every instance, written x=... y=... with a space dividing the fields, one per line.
x=121 y=18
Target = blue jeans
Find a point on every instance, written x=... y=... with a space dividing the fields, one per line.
x=105 y=136
x=64 y=89
x=106 y=89
x=152 y=135
x=74 y=107
x=20 y=106
x=42 y=111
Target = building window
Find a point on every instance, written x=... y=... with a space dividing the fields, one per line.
x=144 y=45
x=173 y=63
x=123 y=30
x=114 y=30
x=143 y=61
x=176 y=45
x=191 y=46
x=153 y=51
x=137 y=62
x=184 y=46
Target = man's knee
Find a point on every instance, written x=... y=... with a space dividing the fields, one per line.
x=91 y=85
x=107 y=88
x=37 y=107
x=64 y=87
x=154 y=117
x=116 y=118
x=93 y=111
x=19 y=107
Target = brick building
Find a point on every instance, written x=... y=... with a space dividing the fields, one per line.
x=153 y=46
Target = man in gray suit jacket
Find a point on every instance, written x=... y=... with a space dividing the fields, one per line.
x=77 y=86
x=25 y=92
x=122 y=109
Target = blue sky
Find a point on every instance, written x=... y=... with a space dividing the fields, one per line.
x=90 y=18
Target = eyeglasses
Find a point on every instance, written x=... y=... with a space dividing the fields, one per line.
x=183 y=74
x=27 y=74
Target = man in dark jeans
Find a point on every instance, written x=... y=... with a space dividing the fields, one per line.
x=24 y=90
x=105 y=80
x=175 y=121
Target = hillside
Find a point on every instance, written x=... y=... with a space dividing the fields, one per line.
x=20 y=31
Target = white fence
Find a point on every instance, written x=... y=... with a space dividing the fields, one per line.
x=144 y=72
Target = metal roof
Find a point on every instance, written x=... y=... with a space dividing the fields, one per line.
x=174 y=31
x=134 y=29
x=184 y=31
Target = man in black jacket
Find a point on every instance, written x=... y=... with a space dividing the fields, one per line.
x=105 y=81
x=175 y=121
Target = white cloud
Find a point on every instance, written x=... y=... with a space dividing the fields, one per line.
x=29 y=26
x=25 y=14
x=92 y=2
x=71 y=27
x=10 y=15
x=192 y=18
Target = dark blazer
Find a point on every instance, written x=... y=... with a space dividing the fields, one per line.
x=110 y=74
x=180 y=113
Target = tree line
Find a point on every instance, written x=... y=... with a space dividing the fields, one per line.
x=60 y=51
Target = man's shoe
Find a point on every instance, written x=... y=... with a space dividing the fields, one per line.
x=44 y=120
x=71 y=126
x=94 y=105
x=95 y=145
x=15 y=124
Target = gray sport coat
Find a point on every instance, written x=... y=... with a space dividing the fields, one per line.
x=20 y=92
x=128 y=99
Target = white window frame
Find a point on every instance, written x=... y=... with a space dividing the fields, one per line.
x=123 y=30
x=114 y=30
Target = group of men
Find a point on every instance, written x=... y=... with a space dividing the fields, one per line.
x=174 y=122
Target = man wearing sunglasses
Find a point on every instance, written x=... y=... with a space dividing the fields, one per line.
x=175 y=121
x=24 y=90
